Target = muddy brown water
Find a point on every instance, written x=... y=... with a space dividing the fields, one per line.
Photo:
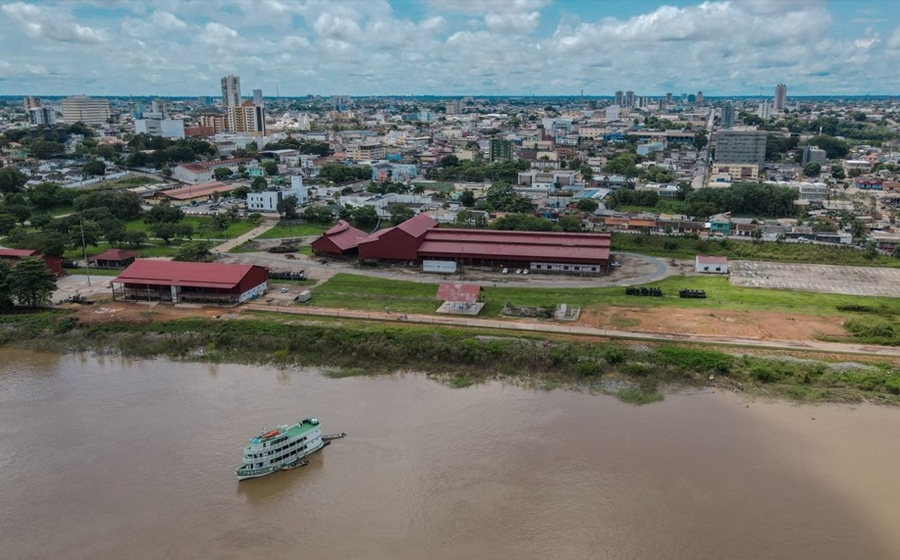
x=109 y=458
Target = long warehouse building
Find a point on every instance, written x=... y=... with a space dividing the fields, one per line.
x=176 y=282
x=419 y=239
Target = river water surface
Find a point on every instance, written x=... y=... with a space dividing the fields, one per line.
x=108 y=458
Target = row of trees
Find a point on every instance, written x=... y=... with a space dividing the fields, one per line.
x=340 y=173
x=478 y=171
x=751 y=199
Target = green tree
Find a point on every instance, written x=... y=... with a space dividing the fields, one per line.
x=184 y=231
x=11 y=180
x=287 y=208
x=400 y=213
x=164 y=231
x=163 y=213
x=467 y=198
x=812 y=169
x=6 y=297
x=570 y=223
x=365 y=217
x=222 y=173
x=94 y=168
x=7 y=223
x=834 y=148
x=837 y=171
x=193 y=251
x=270 y=167
x=258 y=184
x=31 y=282
x=135 y=239
x=317 y=214
x=450 y=161
x=700 y=139
x=587 y=173
x=587 y=205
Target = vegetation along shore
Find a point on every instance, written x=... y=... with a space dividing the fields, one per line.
x=636 y=373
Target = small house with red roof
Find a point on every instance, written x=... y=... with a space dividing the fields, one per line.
x=341 y=240
x=459 y=298
x=15 y=255
x=114 y=258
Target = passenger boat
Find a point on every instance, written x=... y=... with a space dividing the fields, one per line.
x=280 y=449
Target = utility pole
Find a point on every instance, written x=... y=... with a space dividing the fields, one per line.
x=87 y=269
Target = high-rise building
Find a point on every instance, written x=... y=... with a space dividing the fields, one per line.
x=699 y=97
x=231 y=91
x=662 y=104
x=41 y=115
x=85 y=109
x=620 y=98
x=500 y=150
x=741 y=146
x=629 y=98
x=340 y=102
x=780 y=98
x=612 y=113
x=257 y=97
x=31 y=103
x=728 y=115
x=763 y=110
x=217 y=123
x=668 y=99
x=248 y=117
x=452 y=108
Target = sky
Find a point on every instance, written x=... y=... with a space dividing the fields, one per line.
x=449 y=47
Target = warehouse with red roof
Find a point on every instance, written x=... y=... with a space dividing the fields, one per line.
x=176 y=282
x=419 y=239
x=343 y=239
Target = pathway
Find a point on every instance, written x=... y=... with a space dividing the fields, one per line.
x=807 y=346
x=240 y=240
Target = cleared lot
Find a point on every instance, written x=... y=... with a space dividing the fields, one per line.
x=851 y=280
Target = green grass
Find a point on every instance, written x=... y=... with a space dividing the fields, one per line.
x=374 y=294
x=686 y=248
x=153 y=249
x=236 y=229
x=294 y=230
x=639 y=396
x=130 y=182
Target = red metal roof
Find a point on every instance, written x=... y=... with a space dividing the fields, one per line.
x=712 y=260
x=17 y=253
x=194 y=191
x=418 y=225
x=171 y=273
x=459 y=293
x=114 y=255
x=345 y=236
x=554 y=239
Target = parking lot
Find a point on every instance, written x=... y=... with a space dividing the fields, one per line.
x=851 y=280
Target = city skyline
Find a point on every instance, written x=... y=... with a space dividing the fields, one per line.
x=442 y=47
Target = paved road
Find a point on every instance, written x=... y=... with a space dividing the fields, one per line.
x=240 y=240
x=825 y=347
x=318 y=270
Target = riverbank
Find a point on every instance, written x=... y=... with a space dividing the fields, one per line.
x=636 y=372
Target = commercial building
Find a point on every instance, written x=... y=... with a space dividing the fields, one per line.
x=629 y=98
x=81 y=108
x=171 y=281
x=204 y=172
x=741 y=146
x=620 y=98
x=165 y=128
x=735 y=171
x=780 y=103
x=41 y=115
x=366 y=152
x=216 y=123
x=267 y=201
x=257 y=97
x=452 y=108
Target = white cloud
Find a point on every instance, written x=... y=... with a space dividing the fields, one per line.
x=513 y=23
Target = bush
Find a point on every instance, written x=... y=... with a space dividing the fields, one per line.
x=615 y=356
x=695 y=360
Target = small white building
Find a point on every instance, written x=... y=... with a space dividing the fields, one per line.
x=711 y=265
x=267 y=201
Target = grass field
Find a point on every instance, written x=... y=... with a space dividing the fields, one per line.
x=294 y=230
x=236 y=229
x=152 y=249
x=375 y=294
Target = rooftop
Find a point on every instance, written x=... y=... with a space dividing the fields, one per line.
x=171 y=273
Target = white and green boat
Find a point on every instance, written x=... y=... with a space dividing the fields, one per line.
x=283 y=448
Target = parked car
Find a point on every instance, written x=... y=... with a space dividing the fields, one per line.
x=615 y=264
x=504 y=271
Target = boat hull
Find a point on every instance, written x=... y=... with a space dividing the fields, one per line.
x=244 y=473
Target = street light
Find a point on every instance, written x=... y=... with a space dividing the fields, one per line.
x=87 y=269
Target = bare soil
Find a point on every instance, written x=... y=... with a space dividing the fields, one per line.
x=742 y=324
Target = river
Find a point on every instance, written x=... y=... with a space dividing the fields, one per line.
x=110 y=458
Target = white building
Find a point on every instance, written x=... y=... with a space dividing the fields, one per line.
x=41 y=115
x=612 y=113
x=711 y=265
x=267 y=201
x=166 y=128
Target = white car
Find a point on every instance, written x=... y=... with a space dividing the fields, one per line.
x=615 y=264
x=505 y=271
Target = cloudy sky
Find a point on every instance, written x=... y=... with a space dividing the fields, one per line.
x=449 y=47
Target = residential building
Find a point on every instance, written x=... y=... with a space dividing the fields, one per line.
x=452 y=108
x=728 y=115
x=612 y=113
x=780 y=103
x=629 y=98
x=267 y=201
x=212 y=121
x=366 y=152
x=500 y=150
x=231 y=91
x=811 y=154
x=340 y=102
x=735 y=171
x=620 y=98
x=764 y=110
x=81 y=108
x=31 y=103
x=741 y=146
x=41 y=115
x=699 y=97
x=257 y=97
x=247 y=118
